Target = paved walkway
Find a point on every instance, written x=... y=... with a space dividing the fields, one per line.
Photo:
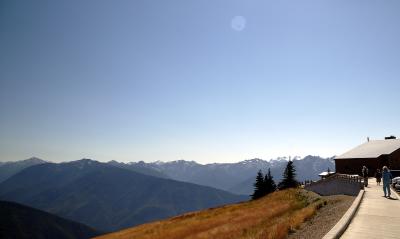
x=377 y=216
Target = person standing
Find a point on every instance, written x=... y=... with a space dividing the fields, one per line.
x=364 y=172
x=386 y=176
x=378 y=176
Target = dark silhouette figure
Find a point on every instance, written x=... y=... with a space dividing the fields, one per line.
x=364 y=173
x=378 y=176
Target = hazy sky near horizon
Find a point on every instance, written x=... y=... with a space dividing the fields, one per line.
x=210 y=81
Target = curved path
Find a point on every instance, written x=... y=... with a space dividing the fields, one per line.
x=377 y=216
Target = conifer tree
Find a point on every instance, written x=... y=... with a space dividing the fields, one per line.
x=269 y=183
x=289 y=177
x=258 y=186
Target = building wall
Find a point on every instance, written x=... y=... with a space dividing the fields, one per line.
x=395 y=160
x=383 y=160
x=354 y=165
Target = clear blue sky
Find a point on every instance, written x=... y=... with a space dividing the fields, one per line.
x=167 y=80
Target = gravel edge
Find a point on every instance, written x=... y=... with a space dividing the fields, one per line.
x=344 y=222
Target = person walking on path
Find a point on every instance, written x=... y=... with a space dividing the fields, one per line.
x=364 y=172
x=378 y=176
x=386 y=176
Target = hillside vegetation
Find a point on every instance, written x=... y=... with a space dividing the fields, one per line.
x=19 y=221
x=272 y=216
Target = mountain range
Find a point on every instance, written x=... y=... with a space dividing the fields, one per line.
x=7 y=169
x=107 y=197
x=237 y=178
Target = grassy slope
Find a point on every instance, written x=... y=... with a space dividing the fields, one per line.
x=270 y=217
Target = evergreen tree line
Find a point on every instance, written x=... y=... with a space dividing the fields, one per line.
x=266 y=185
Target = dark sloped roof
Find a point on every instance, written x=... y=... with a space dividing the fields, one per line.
x=372 y=149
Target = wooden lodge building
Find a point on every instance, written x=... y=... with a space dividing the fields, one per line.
x=373 y=154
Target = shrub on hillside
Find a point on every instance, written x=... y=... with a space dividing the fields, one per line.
x=263 y=186
x=289 y=177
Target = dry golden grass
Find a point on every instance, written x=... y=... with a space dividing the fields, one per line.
x=273 y=216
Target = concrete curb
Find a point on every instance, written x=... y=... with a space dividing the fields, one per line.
x=344 y=222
